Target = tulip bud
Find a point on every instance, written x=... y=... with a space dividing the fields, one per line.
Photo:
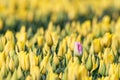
x=2 y=59
x=9 y=47
x=55 y=59
x=9 y=76
x=19 y=73
x=3 y=71
x=65 y=75
x=77 y=49
x=68 y=55
x=96 y=45
x=21 y=45
x=108 y=56
x=48 y=38
x=27 y=62
x=14 y=76
x=29 y=77
x=35 y=72
x=102 y=68
x=85 y=56
x=106 y=41
x=89 y=63
x=11 y=65
x=40 y=40
x=9 y=35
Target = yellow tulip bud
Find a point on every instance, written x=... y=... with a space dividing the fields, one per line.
x=22 y=35
x=27 y=62
x=2 y=59
x=46 y=49
x=102 y=68
x=89 y=64
x=29 y=77
x=81 y=75
x=35 y=72
x=9 y=35
x=3 y=71
x=108 y=56
x=85 y=56
x=44 y=63
x=96 y=45
x=24 y=60
x=115 y=43
x=11 y=65
x=14 y=76
x=69 y=54
x=8 y=76
x=106 y=41
x=55 y=59
x=114 y=69
x=21 y=45
x=48 y=38
x=19 y=73
x=9 y=47
x=40 y=40
x=65 y=75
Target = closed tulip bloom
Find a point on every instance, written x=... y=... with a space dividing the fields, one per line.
x=77 y=49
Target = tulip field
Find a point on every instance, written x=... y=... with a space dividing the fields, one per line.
x=59 y=39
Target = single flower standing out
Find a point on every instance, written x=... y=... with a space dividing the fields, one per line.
x=77 y=49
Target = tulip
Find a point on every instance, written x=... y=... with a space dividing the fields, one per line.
x=11 y=65
x=55 y=59
x=102 y=68
x=35 y=72
x=77 y=49
x=89 y=64
x=40 y=40
x=19 y=73
x=96 y=45
x=8 y=76
x=14 y=76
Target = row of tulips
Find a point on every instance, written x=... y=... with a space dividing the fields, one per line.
x=81 y=51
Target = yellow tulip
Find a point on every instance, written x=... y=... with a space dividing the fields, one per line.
x=14 y=76
x=108 y=56
x=89 y=64
x=106 y=40
x=35 y=72
x=48 y=38
x=9 y=35
x=29 y=77
x=102 y=69
x=44 y=63
x=24 y=60
x=19 y=73
x=40 y=40
x=8 y=76
x=55 y=59
x=11 y=65
x=96 y=45
x=2 y=59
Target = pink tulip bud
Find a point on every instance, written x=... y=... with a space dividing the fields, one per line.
x=77 y=49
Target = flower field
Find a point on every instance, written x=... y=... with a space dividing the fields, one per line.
x=59 y=40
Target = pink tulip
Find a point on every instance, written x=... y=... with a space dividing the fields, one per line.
x=77 y=49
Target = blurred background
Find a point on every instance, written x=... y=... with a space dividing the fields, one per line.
x=38 y=13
